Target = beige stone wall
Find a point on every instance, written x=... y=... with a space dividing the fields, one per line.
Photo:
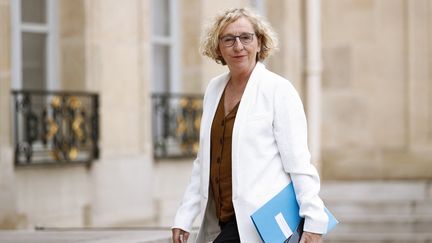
x=376 y=89
x=286 y=17
x=117 y=60
x=48 y=196
x=7 y=188
x=117 y=57
x=72 y=45
x=419 y=71
x=190 y=39
x=5 y=71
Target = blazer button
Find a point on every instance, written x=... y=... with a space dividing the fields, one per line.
x=218 y=160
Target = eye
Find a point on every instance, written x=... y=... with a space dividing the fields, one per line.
x=246 y=37
x=228 y=39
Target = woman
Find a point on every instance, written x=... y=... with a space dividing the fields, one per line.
x=253 y=140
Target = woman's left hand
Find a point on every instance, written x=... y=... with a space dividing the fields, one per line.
x=308 y=237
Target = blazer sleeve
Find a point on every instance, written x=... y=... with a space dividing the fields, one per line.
x=190 y=205
x=290 y=130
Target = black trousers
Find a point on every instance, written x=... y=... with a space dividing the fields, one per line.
x=229 y=232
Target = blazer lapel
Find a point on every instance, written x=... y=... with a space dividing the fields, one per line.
x=247 y=97
x=213 y=97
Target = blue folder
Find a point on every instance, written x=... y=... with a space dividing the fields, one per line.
x=279 y=217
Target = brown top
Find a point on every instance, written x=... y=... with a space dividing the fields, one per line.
x=220 y=160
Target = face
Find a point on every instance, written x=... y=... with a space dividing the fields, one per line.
x=241 y=56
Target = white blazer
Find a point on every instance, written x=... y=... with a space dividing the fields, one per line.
x=269 y=150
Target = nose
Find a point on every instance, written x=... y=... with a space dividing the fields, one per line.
x=238 y=45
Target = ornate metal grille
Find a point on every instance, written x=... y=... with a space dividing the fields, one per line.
x=55 y=127
x=176 y=122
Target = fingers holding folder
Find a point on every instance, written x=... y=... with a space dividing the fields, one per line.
x=278 y=220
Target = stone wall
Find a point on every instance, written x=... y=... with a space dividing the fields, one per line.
x=8 y=217
x=190 y=59
x=72 y=31
x=117 y=60
x=377 y=89
x=287 y=18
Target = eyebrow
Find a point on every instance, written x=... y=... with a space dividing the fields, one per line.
x=232 y=35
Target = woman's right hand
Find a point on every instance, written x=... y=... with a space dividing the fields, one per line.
x=179 y=235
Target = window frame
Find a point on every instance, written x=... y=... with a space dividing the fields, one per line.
x=173 y=42
x=50 y=29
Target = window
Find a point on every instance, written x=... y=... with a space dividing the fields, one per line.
x=165 y=46
x=34 y=44
x=175 y=115
x=49 y=126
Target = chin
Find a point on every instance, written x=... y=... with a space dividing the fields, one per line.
x=240 y=63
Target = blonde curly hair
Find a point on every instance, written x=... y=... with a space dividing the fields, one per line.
x=263 y=31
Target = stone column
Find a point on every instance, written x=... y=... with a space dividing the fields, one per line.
x=117 y=61
x=286 y=17
x=313 y=76
x=191 y=61
x=419 y=61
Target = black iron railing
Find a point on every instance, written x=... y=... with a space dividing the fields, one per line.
x=176 y=122
x=55 y=127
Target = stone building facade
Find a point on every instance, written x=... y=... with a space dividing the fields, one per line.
x=371 y=109
x=377 y=89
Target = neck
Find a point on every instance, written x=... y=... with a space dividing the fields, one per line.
x=241 y=78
